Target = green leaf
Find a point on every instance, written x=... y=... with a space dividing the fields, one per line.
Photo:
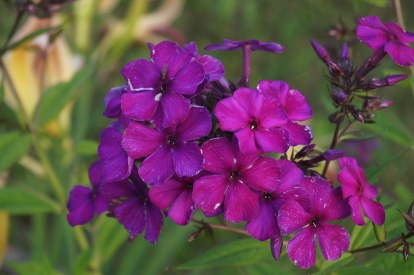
x=358 y=236
x=380 y=232
x=13 y=146
x=20 y=201
x=355 y=136
x=393 y=245
x=82 y=262
x=56 y=97
x=378 y=3
x=374 y=173
x=28 y=37
x=87 y=148
x=34 y=267
x=329 y=266
x=1 y=92
x=237 y=253
x=352 y=270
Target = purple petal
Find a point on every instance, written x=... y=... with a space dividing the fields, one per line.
x=154 y=218
x=113 y=108
x=319 y=191
x=157 y=167
x=183 y=208
x=335 y=207
x=298 y=134
x=196 y=125
x=174 y=108
x=101 y=203
x=250 y=100
x=262 y=175
x=141 y=75
x=80 y=206
x=292 y=217
x=400 y=53
x=240 y=204
x=290 y=175
x=276 y=245
x=355 y=203
x=187 y=80
x=208 y=192
x=373 y=210
x=272 y=114
x=301 y=249
x=274 y=88
x=218 y=155
x=93 y=174
x=372 y=32
x=349 y=183
x=272 y=140
x=131 y=214
x=162 y=196
x=212 y=66
x=139 y=106
x=295 y=105
x=333 y=240
x=168 y=58
x=187 y=159
x=140 y=140
x=231 y=115
x=295 y=193
x=271 y=47
x=264 y=225
x=117 y=190
x=247 y=142
x=368 y=190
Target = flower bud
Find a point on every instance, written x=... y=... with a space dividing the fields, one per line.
x=341 y=98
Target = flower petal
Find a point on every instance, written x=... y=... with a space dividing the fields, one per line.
x=262 y=175
x=292 y=217
x=168 y=58
x=80 y=206
x=174 y=108
x=276 y=245
x=301 y=249
x=231 y=115
x=208 y=192
x=162 y=196
x=212 y=66
x=186 y=80
x=183 y=208
x=141 y=75
x=290 y=175
x=355 y=203
x=298 y=134
x=372 y=32
x=272 y=140
x=131 y=214
x=335 y=207
x=400 y=53
x=157 y=167
x=196 y=125
x=349 y=183
x=264 y=225
x=247 y=142
x=117 y=190
x=218 y=155
x=187 y=159
x=139 y=106
x=240 y=204
x=154 y=218
x=373 y=210
x=295 y=105
x=333 y=240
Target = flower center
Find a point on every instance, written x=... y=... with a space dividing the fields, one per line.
x=267 y=196
x=171 y=140
x=235 y=175
x=253 y=125
x=189 y=186
x=315 y=221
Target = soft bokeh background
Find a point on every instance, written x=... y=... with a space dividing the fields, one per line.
x=104 y=35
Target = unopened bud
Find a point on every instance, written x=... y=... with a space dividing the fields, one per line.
x=341 y=98
x=320 y=51
x=193 y=236
x=370 y=63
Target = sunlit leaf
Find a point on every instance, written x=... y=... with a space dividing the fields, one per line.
x=20 y=201
x=13 y=146
x=236 y=253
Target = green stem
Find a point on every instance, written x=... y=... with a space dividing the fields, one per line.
x=333 y=145
x=365 y=248
x=223 y=227
x=16 y=23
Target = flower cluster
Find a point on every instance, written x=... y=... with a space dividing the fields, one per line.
x=184 y=138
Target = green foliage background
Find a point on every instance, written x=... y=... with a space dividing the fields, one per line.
x=40 y=240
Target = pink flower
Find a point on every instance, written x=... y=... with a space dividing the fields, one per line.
x=360 y=193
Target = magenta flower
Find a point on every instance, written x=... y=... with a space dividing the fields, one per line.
x=114 y=164
x=84 y=202
x=389 y=36
x=296 y=108
x=234 y=176
x=133 y=208
x=254 y=45
x=327 y=204
x=168 y=150
x=256 y=119
x=176 y=193
x=160 y=87
x=360 y=193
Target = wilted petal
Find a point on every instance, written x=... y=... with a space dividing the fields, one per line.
x=333 y=240
x=292 y=217
x=264 y=225
x=187 y=159
x=140 y=140
x=183 y=208
x=240 y=204
x=157 y=167
x=197 y=124
x=174 y=108
x=141 y=75
x=208 y=192
x=154 y=219
x=373 y=210
x=301 y=249
x=139 y=106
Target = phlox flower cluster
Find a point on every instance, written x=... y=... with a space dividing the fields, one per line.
x=184 y=138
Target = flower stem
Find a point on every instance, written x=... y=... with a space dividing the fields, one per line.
x=333 y=145
x=16 y=23
x=365 y=248
x=246 y=64
x=223 y=227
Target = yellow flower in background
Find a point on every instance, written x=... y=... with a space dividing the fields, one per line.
x=36 y=65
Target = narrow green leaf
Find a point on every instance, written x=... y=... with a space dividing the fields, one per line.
x=82 y=262
x=329 y=266
x=355 y=136
x=29 y=37
x=87 y=148
x=374 y=173
x=237 y=253
x=13 y=146
x=56 y=97
x=380 y=232
x=20 y=201
x=1 y=92
x=393 y=245
x=358 y=235
x=352 y=270
x=34 y=268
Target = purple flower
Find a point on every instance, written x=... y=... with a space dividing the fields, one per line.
x=234 y=176
x=264 y=225
x=256 y=119
x=168 y=150
x=133 y=208
x=389 y=36
x=84 y=202
x=112 y=102
x=177 y=193
x=211 y=66
x=115 y=164
x=360 y=193
x=295 y=106
x=158 y=89
x=254 y=45
x=326 y=205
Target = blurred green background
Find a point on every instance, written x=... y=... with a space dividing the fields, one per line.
x=107 y=37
